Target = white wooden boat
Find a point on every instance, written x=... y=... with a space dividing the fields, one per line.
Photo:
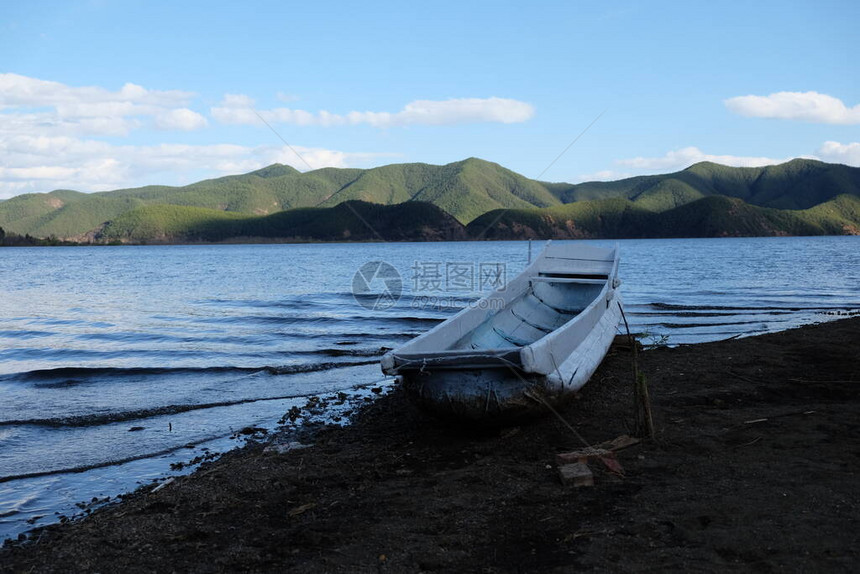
x=537 y=339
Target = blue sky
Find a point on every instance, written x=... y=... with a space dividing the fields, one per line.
x=105 y=94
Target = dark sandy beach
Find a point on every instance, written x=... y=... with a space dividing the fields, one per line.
x=754 y=468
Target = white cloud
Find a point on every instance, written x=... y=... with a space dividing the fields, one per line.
x=23 y=91
x=603 y=175
x=836 y=152
x=43 y=163
x=45 y=144
x=685 y=157
x=237 y=101
x=181 y=119
x=50 y=123
x=41 y=107
x=238 y=109
x=804 y=106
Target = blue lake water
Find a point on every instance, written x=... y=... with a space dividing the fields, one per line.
x=195 y=342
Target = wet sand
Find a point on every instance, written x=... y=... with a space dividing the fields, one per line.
x=754 y=468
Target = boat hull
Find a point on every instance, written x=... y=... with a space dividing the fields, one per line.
x=477 y=395
x=505 y=394
x=530 y=344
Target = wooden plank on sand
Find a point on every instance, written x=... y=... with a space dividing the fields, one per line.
x=577 y=474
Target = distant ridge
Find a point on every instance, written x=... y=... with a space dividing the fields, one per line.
x=798 y=197
x=713 y=216
x=797 y=184
x=349 y=221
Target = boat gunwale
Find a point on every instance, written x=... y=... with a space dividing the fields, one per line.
x=529 y=353
x=520 y=358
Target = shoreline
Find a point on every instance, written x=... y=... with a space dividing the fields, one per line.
x=754 y=467
x=254 y=240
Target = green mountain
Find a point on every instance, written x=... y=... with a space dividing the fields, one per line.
x=713 y=216
x=464 y=189
x=797 y=184
x=352 y=220
x=467 y=190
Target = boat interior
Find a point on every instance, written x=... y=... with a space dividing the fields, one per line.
x=551 y=300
